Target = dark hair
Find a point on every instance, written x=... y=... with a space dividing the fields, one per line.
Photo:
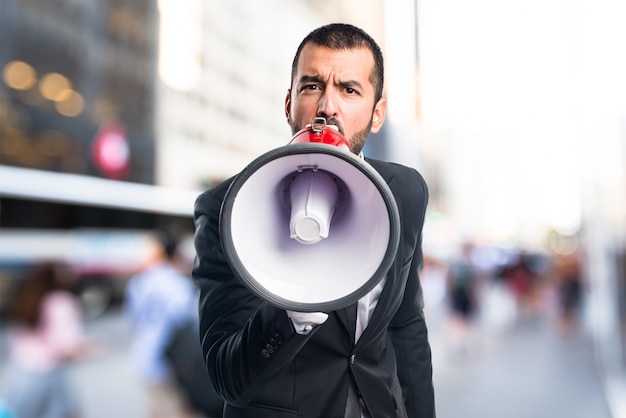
x=345 y=36
x=169 y=242
x=37 y=282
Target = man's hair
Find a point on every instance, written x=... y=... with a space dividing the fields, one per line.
x=344 y=36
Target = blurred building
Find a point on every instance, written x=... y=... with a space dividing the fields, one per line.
x=77 y=138
x=77 y=96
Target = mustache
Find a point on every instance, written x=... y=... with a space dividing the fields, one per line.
x=333 y=121
x=295 y=127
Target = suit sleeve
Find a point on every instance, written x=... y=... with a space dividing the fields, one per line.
x=245 y=341
x=408 y=329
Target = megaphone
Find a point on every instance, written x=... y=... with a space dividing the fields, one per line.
x=309 y=226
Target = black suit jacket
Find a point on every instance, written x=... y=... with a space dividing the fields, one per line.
x=263 y=368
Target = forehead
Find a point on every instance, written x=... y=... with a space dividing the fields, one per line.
x=346 y=64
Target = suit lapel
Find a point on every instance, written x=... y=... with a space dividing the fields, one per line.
x=347 y=317
x=381 y=306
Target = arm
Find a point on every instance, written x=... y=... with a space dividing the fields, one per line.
x=408 y=329
x=235 y=326
x=410 y=341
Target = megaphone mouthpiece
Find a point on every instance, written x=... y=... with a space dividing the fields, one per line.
x=318 y=132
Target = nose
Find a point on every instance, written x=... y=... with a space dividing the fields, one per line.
x=327 y=105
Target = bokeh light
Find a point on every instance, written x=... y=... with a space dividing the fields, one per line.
x=53 y=86
x=19 y=75
x=69 y=103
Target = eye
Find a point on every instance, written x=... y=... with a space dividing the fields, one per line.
x=311 y=87
x=352 y=89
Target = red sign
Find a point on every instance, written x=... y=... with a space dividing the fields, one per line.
x=110 y=152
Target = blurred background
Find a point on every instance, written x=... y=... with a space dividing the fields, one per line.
x=116 y=114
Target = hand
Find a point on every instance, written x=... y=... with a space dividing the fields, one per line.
x=304 y=322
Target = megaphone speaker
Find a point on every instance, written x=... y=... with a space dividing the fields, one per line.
x=309 y=226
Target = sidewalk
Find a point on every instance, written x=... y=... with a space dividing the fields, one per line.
x=528 y=371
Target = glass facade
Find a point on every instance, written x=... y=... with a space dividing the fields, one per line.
x=77 y=94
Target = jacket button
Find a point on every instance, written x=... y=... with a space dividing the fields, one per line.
x=352 y=358
x=265 y=353
x=278 y=338
x=269 y=348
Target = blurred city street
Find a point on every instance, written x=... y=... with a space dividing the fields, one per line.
x=107 y=385
x=527 y=371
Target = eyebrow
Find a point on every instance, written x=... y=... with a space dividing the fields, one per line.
x=318 y=79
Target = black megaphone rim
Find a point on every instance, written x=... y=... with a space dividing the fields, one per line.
x=257 y=288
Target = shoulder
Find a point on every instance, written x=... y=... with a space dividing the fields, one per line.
x=211 y=199
x=61 y=298
x=391 y=170
x=61 y=304
x=405 y=182
x=216 y=192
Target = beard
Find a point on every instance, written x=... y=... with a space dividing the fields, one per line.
x=356 y=143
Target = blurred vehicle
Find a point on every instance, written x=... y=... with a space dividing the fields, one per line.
x=102 y=259
x=99 y=227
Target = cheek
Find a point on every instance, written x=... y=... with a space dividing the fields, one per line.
x=303 y=109
x=358 y=122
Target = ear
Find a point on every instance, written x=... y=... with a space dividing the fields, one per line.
x=378 y=117
x=288 y=106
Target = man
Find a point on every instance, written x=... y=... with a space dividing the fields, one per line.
x=267 y=362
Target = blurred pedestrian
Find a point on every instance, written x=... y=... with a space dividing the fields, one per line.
x=522 y=282
x=45 y=335
x=434 y=281
x=569 y=276
x=161 y=304
x=462 y=292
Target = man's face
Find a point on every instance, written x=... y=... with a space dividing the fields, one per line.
x=335 y=84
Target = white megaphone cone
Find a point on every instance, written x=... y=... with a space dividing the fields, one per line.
x=294 y=221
